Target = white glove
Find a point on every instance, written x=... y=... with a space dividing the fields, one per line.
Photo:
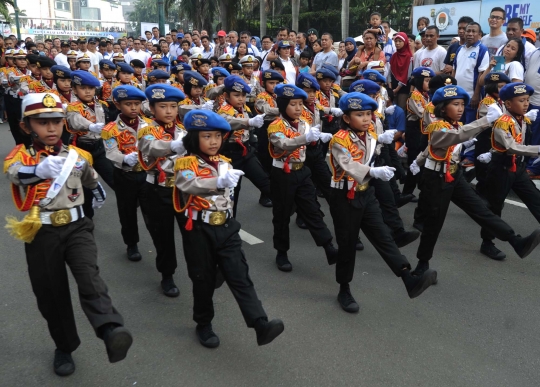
x=313 y=134
x=336 y=112
x=387 y=137
x=531 y=114
x=537 y=160
x=177 y=146
x=99 y=196
x=208 y=105
x=493 y=113
x=50 y=167
x=64 y=106
x=229 y=179
x=257 y=121
x=383 y=173
x=325 y=137
x=402 y=151
x=390 y=110
x=469 y=143
x=131 y=159
x=485 y=157
x=96 y=128
x=96 y=204
x=414 y=168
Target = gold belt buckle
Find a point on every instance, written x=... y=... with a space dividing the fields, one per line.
x=362 y=187
x=453 y=168
x=137 y=168
x=60 y=218
x=169 y=182
x=217 y=218
x=296 y=166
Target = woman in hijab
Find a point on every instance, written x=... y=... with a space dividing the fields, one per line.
x=255 y=41
x=400 y=69
x=348 y=75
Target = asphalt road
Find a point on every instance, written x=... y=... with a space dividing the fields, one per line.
x=477 y=327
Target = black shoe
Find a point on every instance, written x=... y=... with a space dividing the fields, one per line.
x=133 y=253
x=331 y=253
x=206 y=336
x=346 y=300
x=320 y=194
x=416 y=285
x=418 y=226
x=282 y=262
x=219 y=279
x=63 y=363
x=359 y=245
x=117 y=340
x=300 y=223
x=491 y=251
x=421 y=268
x=404 y=199
x=265 y=201
x=267 y=331
x=524 y=246
x=169 y=287
x=406 y=237
x=414 y=199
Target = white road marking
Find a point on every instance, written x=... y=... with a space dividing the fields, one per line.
x=250 y=239
x=513 y=202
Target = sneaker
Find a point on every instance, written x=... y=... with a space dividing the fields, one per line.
x=206 y=336
x=63 y=363
x=117 y=340
x=359 y=245
x=421 y=268
x=417 y=284
x=169 y=287
x=267 y=331
x=133 y=253
x=331 y=253
x=282 y=261
x=406 y=237
x=525 y=246
x=346 y=300
x=1 y=121
x=491 y=251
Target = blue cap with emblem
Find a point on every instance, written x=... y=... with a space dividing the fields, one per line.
x=448 y=93
x=124 y=68
x=84 y=78
x=220 y=72
x=284 y=44
x=157 y=74
x=61 y=72
x=289 y=91
x=106 y=64
x=178 y=66
x=331 y=68
x=127 y=93
x=235 y=83
x=306 y=80
x=365 y=86
x=496 y=77
x=357 y=101
x=423 y=72
x=162 y=92
x=325 y=73
x=194 y=79
x=271 y=75
x=515 y=89
x=205 y=120
x=159 y=62
x=373 y=75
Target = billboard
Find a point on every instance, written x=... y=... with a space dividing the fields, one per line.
x=446 y=16
x=529 y=11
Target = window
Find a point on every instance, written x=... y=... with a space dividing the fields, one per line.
x=90 y=13
x=62 y=5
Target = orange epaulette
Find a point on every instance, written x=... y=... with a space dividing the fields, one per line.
x=109 y=131
x=226 y=109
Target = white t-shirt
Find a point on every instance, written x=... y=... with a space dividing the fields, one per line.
x=61 y=60
x=515 y=70
x=290 y=70
x=465 y=63
x=494 y=42
x=329 y=57
x=532 y=77
x=265 y=64
x=434 y=59
x=141 y=55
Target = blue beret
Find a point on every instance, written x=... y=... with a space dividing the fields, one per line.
x=515 y=89
x=495 y=77
x=307 y=80
x=235 y=83
x=423 y=72
x=157 y=74
x=271 y=75
x=193 y=78
x=289 y=91
x=357 y=101
x=123 y=93
x=364 y=86
x=161 y=92
x=373 y=75
x=106 y=64
x=81 y=77
x=325 y=73
x=177 y=66
x=124 y=67
x=205 y=120
x=331 y=68
x=159 y=62
x=61 y=72
x=220 y=72
x=450 y=92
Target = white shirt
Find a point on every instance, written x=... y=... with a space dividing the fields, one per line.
x=265 y=64
x=252 y=50
x=94 y=61
x=290 y=70
x=231 y=50
x=434 y=59
x=207 y=54
x=98 y=55
x=175 y=49
x=108 y=55
x=515 y=70
x=529 y=49
x=61 y=60
x=141 y=55
x=494 y=42
x=532 y=77
x=154 y=40
x=465 y=63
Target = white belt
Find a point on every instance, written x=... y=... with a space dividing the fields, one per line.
x=207 y=216
x=341 y=183
x=61 y=217
x=280 y=164
x=439 y=166
x=169 y=181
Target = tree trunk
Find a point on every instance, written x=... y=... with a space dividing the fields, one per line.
x=344 y=19
x=223 y=15
x=262 y=5
x=295 y=10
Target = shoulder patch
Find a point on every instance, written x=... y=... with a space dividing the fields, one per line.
x=109 y=131
x=276 y=126
x=17 y=154
x=505 y=122
x=187 y=162
x=342 y=134
x=226 y=159
x=226 y=109
x=74 y=107
x=84 y=154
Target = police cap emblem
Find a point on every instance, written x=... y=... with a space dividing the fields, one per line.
x=288 y=91
x=306 y=83
x=355 y=104
x=494 y=77
x=158 y=94
x=450 y=92
x=77 y=80
x=48 y=101
x=194 y=81
x=520 y=89
x=122 y=93
x=425 y=73
x=238 y=87
x=267 y=75
x=199 y=120
x=59 y=73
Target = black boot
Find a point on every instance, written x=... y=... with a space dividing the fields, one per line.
x=491 y=251
x=421 y=268
x=206 y=336
x=117 y=340
x=63 y=363
x=265 y=201
x=346 y=300
x=524 y=246
x=359 y=245
x=267 y=331
x=331 y=253
x=404 y=199
x=282 y=261
x=133 y=253
x=300 y=222
x=169 y=287
x=419 y=226
x=416 y=285
x=405 y=237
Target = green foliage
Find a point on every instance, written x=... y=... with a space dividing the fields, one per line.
x=146 y=11
x=4 y=10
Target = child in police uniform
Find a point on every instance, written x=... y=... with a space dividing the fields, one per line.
x=62 y=81
x=56 y=231
x=204 y=180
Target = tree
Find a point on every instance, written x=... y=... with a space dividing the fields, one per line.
x=147 y=11
x=262 y=5
x=344 y=19
x=4 y=11
x=295 y=11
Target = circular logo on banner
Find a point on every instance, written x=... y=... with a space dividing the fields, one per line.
x=443 y=18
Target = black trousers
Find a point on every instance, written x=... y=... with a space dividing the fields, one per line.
x=437 y=195
x=263 y=154
x=129 y=191
x=482 y=145
x=361 y=213
x=156 y=202
x=47 y=256
x=387 y=204
x=499 y=181
x=207 y=247
x=416 y=143
x=13 y=110
x=320 y=172
x=288 y=190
